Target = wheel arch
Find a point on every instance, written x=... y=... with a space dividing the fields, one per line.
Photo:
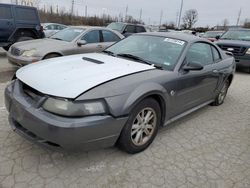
x=230 y=79
x=155 y=91
x=52 y=53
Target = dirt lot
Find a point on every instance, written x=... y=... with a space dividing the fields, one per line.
x=210 y=148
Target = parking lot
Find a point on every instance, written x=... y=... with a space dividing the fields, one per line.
x=210 y=148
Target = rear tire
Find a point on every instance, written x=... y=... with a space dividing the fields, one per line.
x=219 y=100
x=141 y=127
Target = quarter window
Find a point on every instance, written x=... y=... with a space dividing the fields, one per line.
x=5 y=12
x=92 y=37
x=216 y=54
x=26 y=14
x=200 y=53
x=140 y=29
x=108 y=36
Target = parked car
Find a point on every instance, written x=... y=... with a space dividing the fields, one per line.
x=18 y=23
x=213 y=35
x=52 y=28
x=238 y=42
x=122 y=95
x=127 y=29
x=73 y=40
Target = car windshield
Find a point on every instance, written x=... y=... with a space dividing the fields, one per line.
x=212 y=34
x=237 y=35
x=116 y=26
x=160 y=51
x=68 y=34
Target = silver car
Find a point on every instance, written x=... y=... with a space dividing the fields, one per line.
x=52 y=28
x=73 y=40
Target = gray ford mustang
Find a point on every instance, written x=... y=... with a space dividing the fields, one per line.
x=121 y=96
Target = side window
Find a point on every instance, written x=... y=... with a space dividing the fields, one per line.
x=49 y=27
x=140 y=29
x=130 y=29
x=27 y=14
x=108 y=36
x=200 y=53
x=216 y=54
x=5 y=12
x=92 y=37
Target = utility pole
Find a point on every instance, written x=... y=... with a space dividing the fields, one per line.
x=238 y=19
x=72 y=7
x=140 y=15
x=179 y=22
x=16 y=2
x=161 y=18
x=86 y=11
x=176 y=21
x=126 y=14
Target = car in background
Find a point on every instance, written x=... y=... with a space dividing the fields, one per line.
x=18 y=23
x=52 y=28
x=212 y=35
x=189 y=32
x=72 y=40
x=127 y=29
x=237 y=41
x=122 y=96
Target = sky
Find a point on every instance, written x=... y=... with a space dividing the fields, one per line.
x=211 y=12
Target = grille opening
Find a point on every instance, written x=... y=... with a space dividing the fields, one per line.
x=32 y=93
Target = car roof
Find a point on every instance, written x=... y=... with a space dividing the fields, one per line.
x=125 y=23
x=49 y=23
x=175 y=35
x=239 y=29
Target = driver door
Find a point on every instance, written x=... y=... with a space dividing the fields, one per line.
x=196 y=87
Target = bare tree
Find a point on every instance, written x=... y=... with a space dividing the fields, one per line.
x=190 y=18
x=247 y=23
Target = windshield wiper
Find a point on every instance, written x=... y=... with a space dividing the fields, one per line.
x=109 y=53
x=130 y=56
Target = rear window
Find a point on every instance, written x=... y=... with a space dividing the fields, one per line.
x=140 y=29
x=26 y=14
x=5 y=12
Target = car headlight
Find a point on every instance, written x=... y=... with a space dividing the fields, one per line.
x=248 y=51
x=74 y=109
x=29 y=53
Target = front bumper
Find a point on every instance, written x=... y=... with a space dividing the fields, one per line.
x=19 y=60
x=242 y=61
x=28 y=119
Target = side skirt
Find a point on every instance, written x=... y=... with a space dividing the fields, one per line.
x=187 y=112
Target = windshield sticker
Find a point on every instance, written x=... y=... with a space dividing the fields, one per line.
x=174 y=41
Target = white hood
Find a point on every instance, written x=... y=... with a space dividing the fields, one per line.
x=70 y=76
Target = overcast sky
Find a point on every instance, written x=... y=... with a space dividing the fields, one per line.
x=211 y=12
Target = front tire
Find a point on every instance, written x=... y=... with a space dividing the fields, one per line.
x=219 y=100
x=141 y=127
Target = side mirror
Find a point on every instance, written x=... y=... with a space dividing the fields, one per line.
x=217 y=37
x=81 y=42
x=192 y=66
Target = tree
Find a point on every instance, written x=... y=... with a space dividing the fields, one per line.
x=190 y=18
x=247 y=23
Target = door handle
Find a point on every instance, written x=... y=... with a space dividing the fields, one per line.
x=99 y=46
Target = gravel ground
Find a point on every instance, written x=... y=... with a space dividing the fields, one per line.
x=210 y=148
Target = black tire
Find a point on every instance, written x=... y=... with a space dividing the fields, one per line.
x=219 y=100
x=49 y=56
x=6 y=48
x=19 y=39
x=147 y=128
